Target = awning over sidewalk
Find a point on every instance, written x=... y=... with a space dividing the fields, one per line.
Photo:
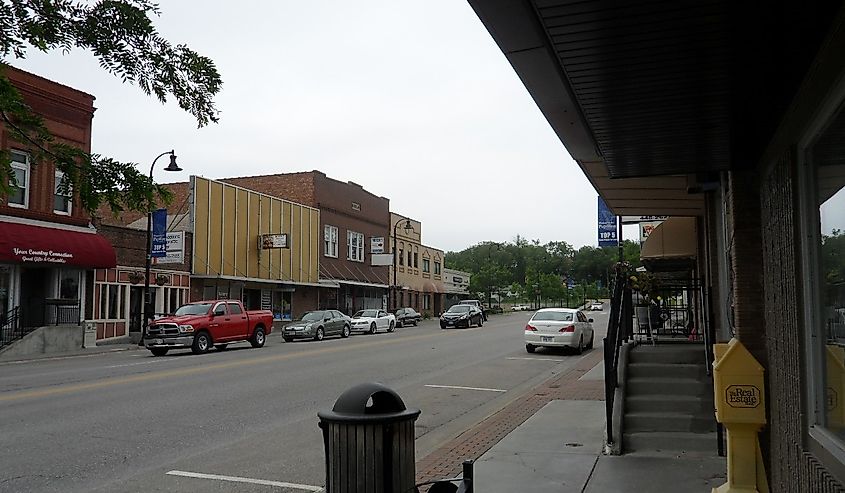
x=671 y=246
x=26 y=243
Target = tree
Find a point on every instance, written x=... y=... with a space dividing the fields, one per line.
x=122 y=37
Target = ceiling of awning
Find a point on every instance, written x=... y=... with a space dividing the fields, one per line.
x=678 y=89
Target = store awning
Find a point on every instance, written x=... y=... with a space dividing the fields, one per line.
x=671 y=246
x=30 y=244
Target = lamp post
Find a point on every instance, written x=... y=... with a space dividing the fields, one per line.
x=408 y=228
x=147 y=302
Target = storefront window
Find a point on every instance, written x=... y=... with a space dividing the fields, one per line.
x=281 y=305
x=114 y=301
x=827 y=156
x=69 y=286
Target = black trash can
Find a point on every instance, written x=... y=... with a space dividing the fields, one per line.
x=369 y=441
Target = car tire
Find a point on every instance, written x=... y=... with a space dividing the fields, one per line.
x=580 y=348
x=319 y=335
x=592 y=339
x=391 y=327
x=158 y=351
x=287 y=339
x=442 y=326
x=530 y=348
x=481 y=322
x=258 y=337
x=221 y=347
x=399 y=324
x=345 y=332
x=416 y=322
x=373 y=328
x=202 y=342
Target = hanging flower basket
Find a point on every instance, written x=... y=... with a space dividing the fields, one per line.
x=162 y=279
x=136 y=277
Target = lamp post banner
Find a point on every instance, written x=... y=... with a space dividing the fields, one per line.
x=159 y=243
x=607 y=226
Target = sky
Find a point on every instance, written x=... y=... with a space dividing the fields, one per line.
x=412 y=100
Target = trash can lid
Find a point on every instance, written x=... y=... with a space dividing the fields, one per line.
x=369 y=402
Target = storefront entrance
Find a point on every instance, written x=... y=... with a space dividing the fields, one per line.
x=35 y=289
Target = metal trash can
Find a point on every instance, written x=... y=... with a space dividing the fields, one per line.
x=369 y=440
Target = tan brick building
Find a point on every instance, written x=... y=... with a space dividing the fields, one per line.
x=419 y=268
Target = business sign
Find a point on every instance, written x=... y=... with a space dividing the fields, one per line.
x=49 y=256
x=642 y=219
x=175 y=251
x=647 y=228
x=607 y=226
x=377 y=244
x=378 y=259
x=742 y=396
x=269 y=242
x=159 y=244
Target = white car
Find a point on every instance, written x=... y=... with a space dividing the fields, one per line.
x=373 y=320
x=596 y=306
x=519 y=308
x=559 y=327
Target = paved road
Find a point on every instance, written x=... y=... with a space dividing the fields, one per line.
x=129 y=422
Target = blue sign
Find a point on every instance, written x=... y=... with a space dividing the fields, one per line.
x=607 y=226
x=159 y=243
x=570 y=284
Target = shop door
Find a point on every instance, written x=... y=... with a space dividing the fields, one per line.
x=136 y=310
x=35 y=285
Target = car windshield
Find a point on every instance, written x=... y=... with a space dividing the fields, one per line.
x=366 y=313
x=459 y=309
x=312 y=316
x=193 y=309
x=553 y=316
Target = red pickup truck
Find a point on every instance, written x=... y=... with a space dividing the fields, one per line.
x=203 y=324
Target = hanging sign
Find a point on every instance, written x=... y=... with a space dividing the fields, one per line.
x=377 y=244
x=159 y=243
x=268 y=242
x=607 y=225
x=175 y=252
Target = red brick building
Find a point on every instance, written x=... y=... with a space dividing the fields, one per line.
x=48 y=248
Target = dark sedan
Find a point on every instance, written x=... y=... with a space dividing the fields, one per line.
x=461 y=316
x=407 y=316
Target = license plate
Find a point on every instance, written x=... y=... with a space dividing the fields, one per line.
x=449 y=324
x=159 y=341
x=547 y=339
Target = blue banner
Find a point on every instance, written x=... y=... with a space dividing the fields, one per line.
x=607 y=226
x=159 y=244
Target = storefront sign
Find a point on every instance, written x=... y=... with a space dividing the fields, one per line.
x=378 y=259
x=30 y=255
x=607 y=226
x=377 y=244
x=642 y=219
x=159 y=243
x=175 y=250
x=269 y=242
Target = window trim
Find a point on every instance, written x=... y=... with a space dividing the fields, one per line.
x=359 y=246
x=426 y=265
x=27 y=168
x=329 y=229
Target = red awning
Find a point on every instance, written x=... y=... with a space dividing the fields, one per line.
x=24 y=243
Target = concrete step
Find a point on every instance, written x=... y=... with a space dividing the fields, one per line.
x=670 y=441
x=670 y=353
x=656 y=403
x=667 y=421
x=670 y=386
x=675 y=370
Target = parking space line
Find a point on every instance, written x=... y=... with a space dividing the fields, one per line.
x=464 y=388
x=236 y=479
x=538 y=359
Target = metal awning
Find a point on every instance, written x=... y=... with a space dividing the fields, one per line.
x=671 y=246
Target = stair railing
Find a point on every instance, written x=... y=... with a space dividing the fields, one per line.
x=10 y=326
x=620 y=328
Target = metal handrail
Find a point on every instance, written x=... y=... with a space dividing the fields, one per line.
x=619 y=330
x=10 y=329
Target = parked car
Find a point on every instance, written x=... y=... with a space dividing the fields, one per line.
x=476 y=304
x=372 y=320
x=519 y=308
x=461 y=315
x=317 y=325
x=203 y=324
x=407 y=316
x=559 y=327
x=596 y=306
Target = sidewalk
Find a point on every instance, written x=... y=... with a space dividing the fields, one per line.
x=550 y=440
x=105 y=348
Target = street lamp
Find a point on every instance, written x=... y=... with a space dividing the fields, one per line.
x=408 y=229
x=147 y=302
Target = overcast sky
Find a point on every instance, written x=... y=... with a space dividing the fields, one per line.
x=412 y=100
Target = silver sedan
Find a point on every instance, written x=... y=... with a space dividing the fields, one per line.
x=559 y=327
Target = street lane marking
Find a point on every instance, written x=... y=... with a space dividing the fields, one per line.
x=236 y=479
x=192 y=370
x=538 y=359
x=464 y=388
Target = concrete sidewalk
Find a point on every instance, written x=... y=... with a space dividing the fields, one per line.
x=559 y=450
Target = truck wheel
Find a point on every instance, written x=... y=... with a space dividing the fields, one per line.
x=202 y=342
x=318 y=336
x=158 y=351
x=373 y=328
x=345 y=332
x=221 y=347
x=392 y=326
x=258 y=338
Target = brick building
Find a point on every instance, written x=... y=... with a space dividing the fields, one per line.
x=48 y=248
x=732 y=114
x=354 y=226
x=419 y=269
